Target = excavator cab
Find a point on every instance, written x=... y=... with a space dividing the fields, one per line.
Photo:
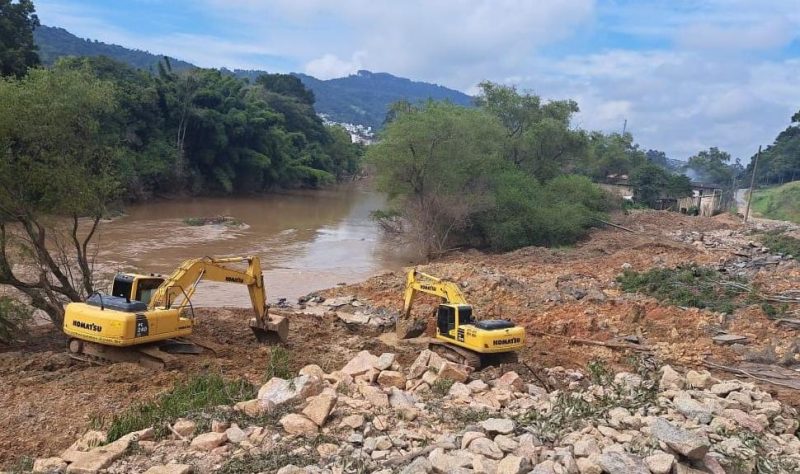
x=451 y=316
x=135 y=287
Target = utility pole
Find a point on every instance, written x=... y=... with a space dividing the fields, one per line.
x=624 y=126
x=752 y=185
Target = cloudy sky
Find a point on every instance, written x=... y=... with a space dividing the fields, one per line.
x=685 y=74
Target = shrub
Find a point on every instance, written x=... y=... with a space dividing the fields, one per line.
x=699 y=287
x=13 y=317
x=779 y=242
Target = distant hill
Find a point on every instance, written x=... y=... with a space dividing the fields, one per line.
x=361 y=99
x=364 y=98
x=54 y=43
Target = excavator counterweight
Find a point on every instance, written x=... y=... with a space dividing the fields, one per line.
x=147 y=314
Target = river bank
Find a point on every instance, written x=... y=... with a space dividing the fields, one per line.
x=563 y=297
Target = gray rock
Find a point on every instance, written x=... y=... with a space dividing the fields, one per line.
x=724 y=388
x=498 y=425
x=545 y=467
x=445 y=463
x=688 y=444
x=622 y=463
x=486 y=447
x=420 y=465
x=660 y=463
x=670 y=379
x=692 y=409
x=512 y=465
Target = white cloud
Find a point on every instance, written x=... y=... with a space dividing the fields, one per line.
x=329 y=66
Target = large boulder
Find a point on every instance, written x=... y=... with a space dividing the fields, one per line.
x=486 y=447
x=511 y=379
x=319 y=407
x=684 y=442
x=454 y=372
x=278 y=391
x=670 y=379
x=183 y=427
x=512 y=465
x=374 y=396
x=360 y=364
x=660 y=463
x=420 y=365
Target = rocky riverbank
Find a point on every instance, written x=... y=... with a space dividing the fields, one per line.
x=372 y=415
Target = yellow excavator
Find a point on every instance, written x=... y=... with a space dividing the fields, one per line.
x=145 y=316
x=460 y=336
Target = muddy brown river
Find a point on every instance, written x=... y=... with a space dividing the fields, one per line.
x=307 y=240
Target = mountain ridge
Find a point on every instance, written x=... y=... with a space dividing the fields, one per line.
x=362 y=98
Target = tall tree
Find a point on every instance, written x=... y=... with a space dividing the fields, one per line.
x=712 y=166
x=17 y=50
x=56 y=178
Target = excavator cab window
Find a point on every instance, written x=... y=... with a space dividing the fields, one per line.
x=465 y=314
x=122 y=287
x=146 y=287
x=446 y=319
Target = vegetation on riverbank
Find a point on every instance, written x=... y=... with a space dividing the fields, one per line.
x=780 y=202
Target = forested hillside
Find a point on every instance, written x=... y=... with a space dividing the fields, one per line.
x=54 y=43
x=363 y=98
x=780 y=161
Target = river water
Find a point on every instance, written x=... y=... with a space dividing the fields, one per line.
x=307 y=240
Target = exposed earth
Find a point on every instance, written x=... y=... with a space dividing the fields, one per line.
x=567 y=299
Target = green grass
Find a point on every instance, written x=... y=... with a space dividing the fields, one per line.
x=279 y=364
x=698 y=287
x=778 y=242
x=216 y=220
x=194 y=398
x=780 y=202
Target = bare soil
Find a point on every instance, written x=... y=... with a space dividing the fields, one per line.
x=47 y=399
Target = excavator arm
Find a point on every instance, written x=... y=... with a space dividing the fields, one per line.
x=178 y=289
x=418 y=282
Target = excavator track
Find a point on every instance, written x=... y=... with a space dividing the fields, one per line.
x=456 y=354
x=147 y=355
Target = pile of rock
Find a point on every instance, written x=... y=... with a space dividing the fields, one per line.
x=347 y=309
x=435 y=416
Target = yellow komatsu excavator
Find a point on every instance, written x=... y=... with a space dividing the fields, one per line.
x=460 y=336
x=144 y=317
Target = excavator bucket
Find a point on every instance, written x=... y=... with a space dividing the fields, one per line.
x=272 y=329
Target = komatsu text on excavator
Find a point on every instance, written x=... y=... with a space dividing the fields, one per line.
x=145 y=315
x=460 y=336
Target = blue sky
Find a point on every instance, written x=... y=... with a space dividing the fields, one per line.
x=686 y=75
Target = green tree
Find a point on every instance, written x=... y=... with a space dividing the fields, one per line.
x=57 y=174
x=779 y=162
x=711 y=166
x=539 y=139
x=345 y=155
x=435 y=161
x=17 y=51
x=652 y=182
x=612 y=155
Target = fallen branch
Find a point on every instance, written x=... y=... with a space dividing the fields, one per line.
x=545 y=385
x=736 y=370
x=615 y=225
x=400 y=460
x=612 y=345
x=181 y=437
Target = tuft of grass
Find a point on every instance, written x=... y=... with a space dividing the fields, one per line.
x=22 y=465
x=198 y=394
x=699 y=287
x=279 y=364
x=441 y=386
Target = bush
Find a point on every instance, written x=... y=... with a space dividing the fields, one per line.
x=13 y=318
x=195 y=395
x=694 y=286
x=781 y=243
x=528 y=213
